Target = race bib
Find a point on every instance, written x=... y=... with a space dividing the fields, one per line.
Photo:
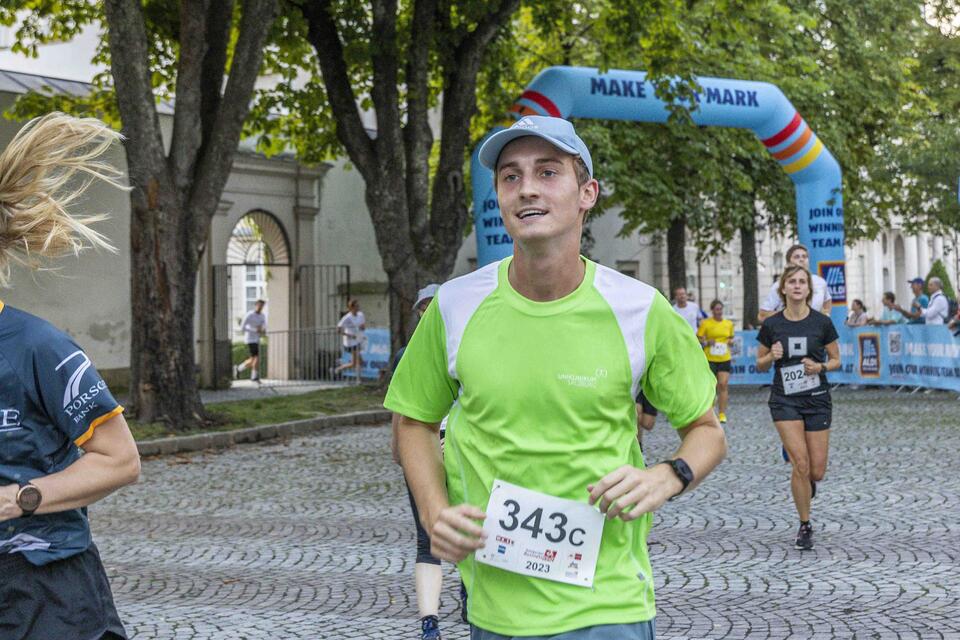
x=718 y=349
x=795 y=381
x=539 y=535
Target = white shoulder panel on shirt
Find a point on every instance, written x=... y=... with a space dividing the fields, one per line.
x=459 y=299
x=630 y=301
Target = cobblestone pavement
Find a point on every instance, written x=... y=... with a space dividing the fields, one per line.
x=312 y=538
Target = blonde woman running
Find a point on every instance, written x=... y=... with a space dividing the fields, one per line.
x=52 y=401
x=802 y=346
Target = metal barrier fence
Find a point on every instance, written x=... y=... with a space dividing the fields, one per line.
x=300 y=354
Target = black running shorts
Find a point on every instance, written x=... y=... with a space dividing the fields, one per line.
x=717 y=367
x=816 y=412
x=648 y=408
x=62 y=600
x=253 y=348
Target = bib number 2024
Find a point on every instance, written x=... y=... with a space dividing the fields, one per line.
x=557 y=533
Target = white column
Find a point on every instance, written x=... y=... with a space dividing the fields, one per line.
x=911 y=259
x=874 y=275
x=923 y=253
x=938 y=248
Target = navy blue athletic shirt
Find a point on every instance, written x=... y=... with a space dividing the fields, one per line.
x=801 y=339
x=51 y=400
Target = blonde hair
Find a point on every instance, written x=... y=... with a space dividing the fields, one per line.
x=46 y=167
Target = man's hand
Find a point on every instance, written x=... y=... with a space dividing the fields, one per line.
x=776 y=351
x=811 y=367
x=455 y=534
x=629 y=492
x=8 y=502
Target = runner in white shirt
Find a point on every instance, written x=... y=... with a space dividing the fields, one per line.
x=800 y=256
x=254 y=325
x=939 y=307
x=351 y=327
x=687 y=308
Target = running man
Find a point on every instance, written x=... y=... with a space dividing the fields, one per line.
x=53 y=404
x=254 y=325
x=427 y=574
x=687 y=308
x=821 y=301
x=537 y=359
x=716 y=336
x=802 y=346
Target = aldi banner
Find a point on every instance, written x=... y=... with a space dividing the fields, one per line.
x=914 y=355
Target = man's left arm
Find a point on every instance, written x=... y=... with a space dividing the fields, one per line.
x=629 y=492
x=678 y=381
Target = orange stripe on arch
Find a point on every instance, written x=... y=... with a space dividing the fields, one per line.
x=523 y=110
x=807 y=158
x=796 y=146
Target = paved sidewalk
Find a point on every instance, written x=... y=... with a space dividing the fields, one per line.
x=312 y=538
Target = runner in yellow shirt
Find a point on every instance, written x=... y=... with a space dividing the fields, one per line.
x=716 y=336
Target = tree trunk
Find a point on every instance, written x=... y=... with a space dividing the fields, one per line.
x=162 y=286
x=676 y=257
x=748 y=259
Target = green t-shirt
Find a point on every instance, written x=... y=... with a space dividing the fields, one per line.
x=541 y=394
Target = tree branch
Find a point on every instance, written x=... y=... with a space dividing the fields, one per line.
x=322 y=34
x=389 y=142
x=187 y=132
x=418 y=137
x=459 y=105
x=219 y=21
x=128 y=41
x=217 y=157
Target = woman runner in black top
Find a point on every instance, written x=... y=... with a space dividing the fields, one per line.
x=802 y=345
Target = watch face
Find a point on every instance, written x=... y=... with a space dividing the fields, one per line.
x=29 y=498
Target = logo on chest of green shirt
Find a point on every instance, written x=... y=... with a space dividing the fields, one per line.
x=586 y=381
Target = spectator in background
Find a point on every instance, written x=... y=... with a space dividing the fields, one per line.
x=919 y=303
x=938 y=309
x=687 y=309
x=858 y=314
x=890 y=314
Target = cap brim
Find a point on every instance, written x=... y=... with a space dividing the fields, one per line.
x=491 y=149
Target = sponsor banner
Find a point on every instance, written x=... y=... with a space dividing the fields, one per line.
x=907 y=354
x=375 y=354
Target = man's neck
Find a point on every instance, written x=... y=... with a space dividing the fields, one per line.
x=547 y=275
x=682 y=304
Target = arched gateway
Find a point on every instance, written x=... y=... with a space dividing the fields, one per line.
x=578 y=92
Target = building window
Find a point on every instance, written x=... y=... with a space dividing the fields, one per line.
x=629 y=268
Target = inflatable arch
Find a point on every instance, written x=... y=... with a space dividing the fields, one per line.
x=579 y=92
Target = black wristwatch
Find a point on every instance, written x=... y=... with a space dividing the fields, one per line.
x=682 y=471
x=28 y=499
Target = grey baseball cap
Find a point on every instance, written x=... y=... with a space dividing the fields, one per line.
x=557 y=131
x=429 y=291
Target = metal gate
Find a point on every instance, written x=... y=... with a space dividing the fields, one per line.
x=301 y=341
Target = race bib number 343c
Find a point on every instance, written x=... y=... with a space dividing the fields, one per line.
x=540 y=535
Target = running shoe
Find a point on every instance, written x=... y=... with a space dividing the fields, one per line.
x=429 y=628
x=783 y=453
x=236 y=372
x=804 y=537
x=723 y=418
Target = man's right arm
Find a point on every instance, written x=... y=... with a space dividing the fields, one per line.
x=454 y=532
